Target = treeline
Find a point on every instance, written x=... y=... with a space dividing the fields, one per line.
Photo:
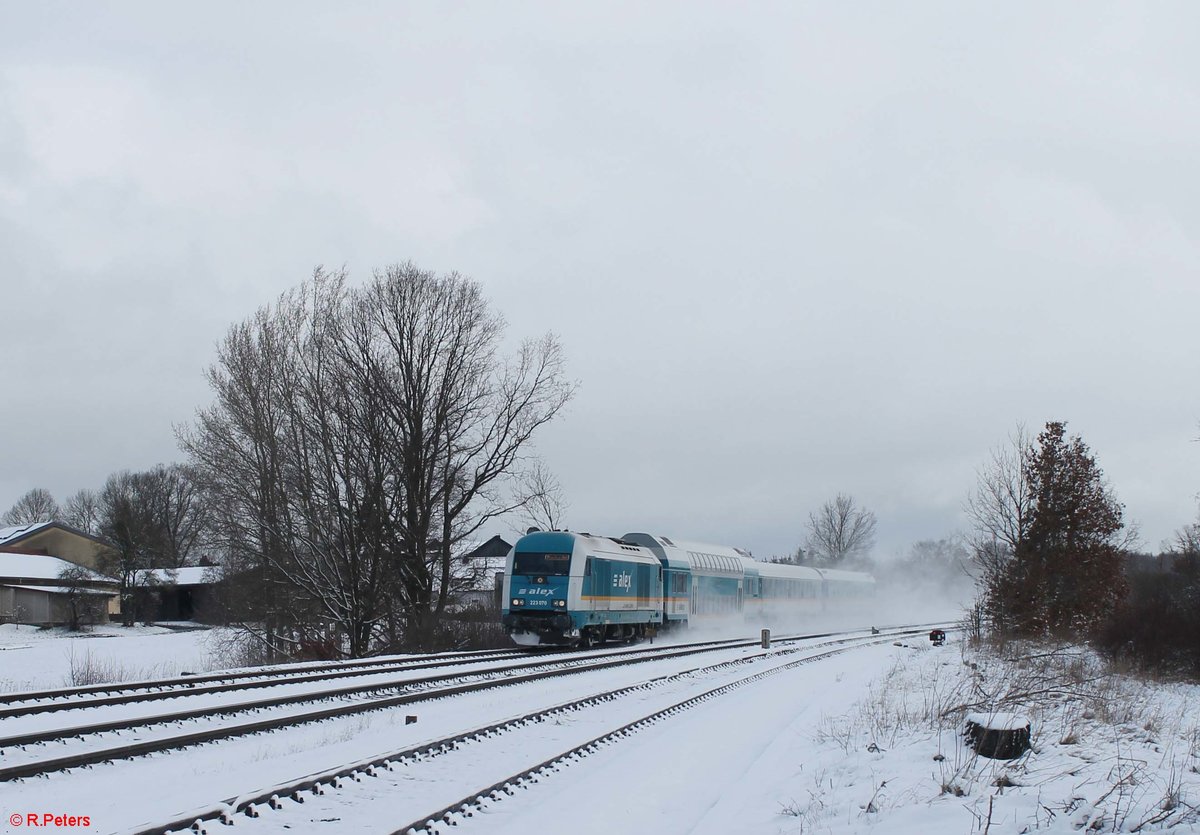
x=156 y=518
x=1055 y=559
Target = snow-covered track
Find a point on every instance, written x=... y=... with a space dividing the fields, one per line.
x=318 y=784
x=24 y=703
x=439 y=686
x=562 y=661
x=464 y=808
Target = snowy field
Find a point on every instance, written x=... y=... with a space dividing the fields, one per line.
x=866 y=741
x=33 y=658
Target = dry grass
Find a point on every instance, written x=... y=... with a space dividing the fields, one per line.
x=1110 y=752
x=86 y=669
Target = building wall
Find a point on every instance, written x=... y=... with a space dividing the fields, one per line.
x=37 y=607
x=65 y=545
x=32 y=606
x=60 y=610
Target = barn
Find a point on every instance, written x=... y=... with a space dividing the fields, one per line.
x=42 y=590
x=47 y=569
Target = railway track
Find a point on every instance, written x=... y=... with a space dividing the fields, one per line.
x=26 y=703
x=462 y=747
x=25 y=754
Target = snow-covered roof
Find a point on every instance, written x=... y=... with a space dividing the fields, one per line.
x=21 y=531
x=196 y=575
x=39 y=567
x=59 y=589
x=488 y=563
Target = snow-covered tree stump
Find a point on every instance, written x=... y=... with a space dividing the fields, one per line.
x=1000 y=736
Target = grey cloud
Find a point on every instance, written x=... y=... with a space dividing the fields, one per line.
x=791 y=250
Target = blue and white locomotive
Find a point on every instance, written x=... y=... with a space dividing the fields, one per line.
x=569 y=588
x=576 y=588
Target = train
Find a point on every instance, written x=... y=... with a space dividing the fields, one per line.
x=579 y=589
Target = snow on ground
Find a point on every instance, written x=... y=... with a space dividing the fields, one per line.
x=869 y=741
x=32 y=658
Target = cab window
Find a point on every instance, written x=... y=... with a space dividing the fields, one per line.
x=541 y=563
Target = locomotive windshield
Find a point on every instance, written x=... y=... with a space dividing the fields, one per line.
x=541 y=563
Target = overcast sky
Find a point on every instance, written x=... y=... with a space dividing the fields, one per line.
x=791 y=249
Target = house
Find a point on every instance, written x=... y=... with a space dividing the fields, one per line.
x=181 y=593
x=481 y=569
x=33 y=589
x=54 y=539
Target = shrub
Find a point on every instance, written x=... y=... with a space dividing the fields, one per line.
x=1157 y=627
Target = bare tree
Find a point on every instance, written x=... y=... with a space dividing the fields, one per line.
x=239 y=447
x=35 y=506
x=127 y=523
x=1001 y=511
x=840 y=532
x=178 y=509
x=358 y=436
x=1002 y=505
x=293 y=454
x=930 y=558
x=82 y=511
x=459 y=415
x=543 y=502
x=85 y=605
x=1187 y=540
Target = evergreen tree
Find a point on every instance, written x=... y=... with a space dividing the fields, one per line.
x=1064 y=575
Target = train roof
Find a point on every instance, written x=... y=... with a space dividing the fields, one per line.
x=775 y=570
x=564 y=542
x=677 y=553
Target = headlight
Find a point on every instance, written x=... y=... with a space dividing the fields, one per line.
x=516 y=601
x=561 y=604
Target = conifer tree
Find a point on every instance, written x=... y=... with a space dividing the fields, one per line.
x=1063 y=575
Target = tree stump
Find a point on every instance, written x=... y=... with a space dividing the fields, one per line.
x=998 y=736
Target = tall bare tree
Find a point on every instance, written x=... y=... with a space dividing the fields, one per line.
x=179 y=510
x=35 y=506
x=840 y=532
x=1001 y=507
x=544 y=504
x=239 y=448
x=127 y=523
x=82 y=511
x=360 y=434
x=460 y=416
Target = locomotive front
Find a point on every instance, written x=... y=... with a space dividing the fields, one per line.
x=565 y=588
x=537 y=589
